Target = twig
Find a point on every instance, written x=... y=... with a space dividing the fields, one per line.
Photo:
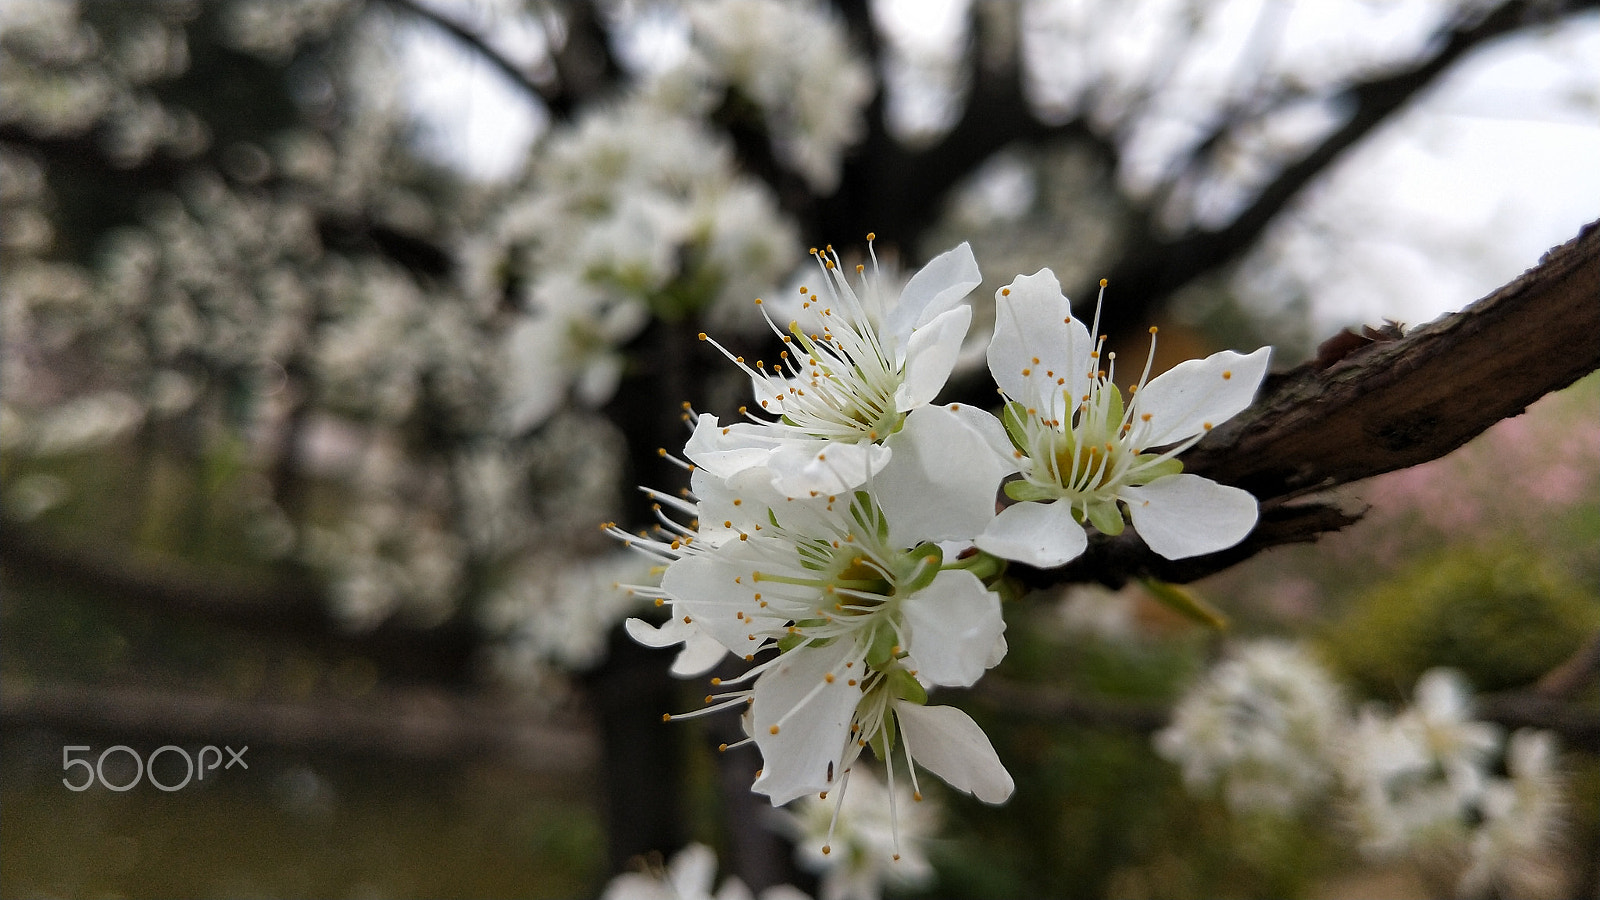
x=420 y=724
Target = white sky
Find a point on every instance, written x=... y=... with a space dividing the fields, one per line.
x=1452 y=198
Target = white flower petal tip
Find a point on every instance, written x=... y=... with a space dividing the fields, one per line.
x=1196 y=394
x=945 y=741
x=936 y=288
x=1180 y=516
x=931 y=356
x=1038 y=534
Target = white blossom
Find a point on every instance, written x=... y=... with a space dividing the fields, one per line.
x=1413 y=777
x=856 y=364
x=1084 y=453
x=792 y=59
x=856 y=596
x=1513 y=852
x=689 y=876
x=1262 y=725
x=856 y=845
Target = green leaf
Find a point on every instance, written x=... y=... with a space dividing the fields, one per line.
x=1191 y=606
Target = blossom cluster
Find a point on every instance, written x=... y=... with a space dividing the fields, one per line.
x=1422 y=786
x=843 y=537
x=1269 y=726
x=1263 y=724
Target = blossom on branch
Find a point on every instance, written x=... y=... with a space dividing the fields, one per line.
x=1085 y=453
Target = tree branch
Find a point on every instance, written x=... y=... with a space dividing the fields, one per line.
x=1578 y=725
x=230 y=597
x=1152 y=268
x=422 y=724
x=536 y=91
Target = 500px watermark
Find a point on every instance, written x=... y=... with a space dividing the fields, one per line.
x=195 y=767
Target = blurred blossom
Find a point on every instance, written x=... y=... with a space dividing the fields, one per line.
x=1514 y=851
x=1098 y=612
x=1423 y=785
x=274 y=28
x=1262 y=726
x=83 y=423
x=689 y=876
x=852 y=845
x=33 y=495
x=386 y=559
x=630 y=212
x=792 y=59
x=557 y=611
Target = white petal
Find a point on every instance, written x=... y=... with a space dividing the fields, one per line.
x=726 y=450
x=672 y=631
x=937 y=287
x=692 y=870
x=732 y=889
x=809 y=467
x=1039 y=534
x=536 y=382
x=598 y=379
x=940 y=483
x=945 y=741
x=728 y=507
x=700 y=654
x=930 y=357
x=1039 y=354
x=812 y=716
x=954 y=624
x=989 y=428
x=1185 y=515
x=709 y=596
x=1195 y=393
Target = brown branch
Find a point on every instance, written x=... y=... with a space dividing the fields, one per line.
x=1053 y=704
x=416 y=724
x=1579 y=669
x=234 y=597
x=536 y=91
x=1386 y=406
x=1578 y=725
x=1152 y=267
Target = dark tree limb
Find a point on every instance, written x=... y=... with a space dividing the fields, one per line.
x=1152 y=267
x=231 y=597
x=1577 y=724
x=409 y=723
x=581 y=67
x=1386 y=406
x=539 y=91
